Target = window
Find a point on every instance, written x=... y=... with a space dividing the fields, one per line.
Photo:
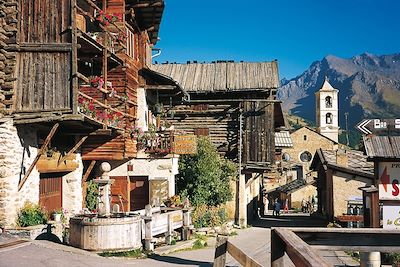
x=130 y=43
x=305 y=137
x=305 y=156
x=329 y=118
x=328 y=102
x=201 y=131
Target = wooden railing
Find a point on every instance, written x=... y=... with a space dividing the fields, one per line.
x=223 y=246
x=301 y=244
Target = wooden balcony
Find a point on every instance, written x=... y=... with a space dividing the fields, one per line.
x=155 y=143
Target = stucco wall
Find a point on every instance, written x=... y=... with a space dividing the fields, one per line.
x=304 y=193
x=155 y=169
x=18 y=149
x=345 y=187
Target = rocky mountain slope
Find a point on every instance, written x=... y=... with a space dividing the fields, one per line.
x=369 y=86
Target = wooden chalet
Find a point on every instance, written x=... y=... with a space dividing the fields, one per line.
x=69 y=70
x=233 y=103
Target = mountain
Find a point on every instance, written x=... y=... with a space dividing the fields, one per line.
x=369 y=87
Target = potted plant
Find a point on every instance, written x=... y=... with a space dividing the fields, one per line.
x=57 y=214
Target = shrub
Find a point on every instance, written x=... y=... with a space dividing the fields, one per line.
x=92 y=193
x=31 y=214
x=207 y=216
x=205 y=177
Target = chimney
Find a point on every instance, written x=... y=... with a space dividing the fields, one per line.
x=342 y=158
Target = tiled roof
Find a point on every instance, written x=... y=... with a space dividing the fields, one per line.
x=222 y=76
x=356 y=160
x=283 y=139
x=382 y=146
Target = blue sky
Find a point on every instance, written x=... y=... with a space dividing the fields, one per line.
x=296 y=32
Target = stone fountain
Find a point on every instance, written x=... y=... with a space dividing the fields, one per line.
x=105 y=231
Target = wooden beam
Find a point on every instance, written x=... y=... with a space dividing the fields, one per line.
x=83 y=139
x=241 y=257
x=39 y=47
x=160 y=87
x=88 y=171
x=40 y=152
x=298 y=250
x=154 y=4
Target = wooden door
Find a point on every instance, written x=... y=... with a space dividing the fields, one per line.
x=50 y=192
x=120 y=192
x=139 y=192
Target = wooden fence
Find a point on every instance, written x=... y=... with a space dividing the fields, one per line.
x=157 y=223
x=223 y=246
x=301 y=244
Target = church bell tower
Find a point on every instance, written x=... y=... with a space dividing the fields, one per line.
x=327 y=111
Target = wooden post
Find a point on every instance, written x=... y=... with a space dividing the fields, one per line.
x=277 y=250
x=220 y=251
x=168 y=234
x=186 y=224
x=148 y=239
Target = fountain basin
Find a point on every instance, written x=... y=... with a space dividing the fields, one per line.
x=105 y=234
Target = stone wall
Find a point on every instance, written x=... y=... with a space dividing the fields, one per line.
x=19 y=149
x=72 y=188
x=345 y=187
x=8 y=33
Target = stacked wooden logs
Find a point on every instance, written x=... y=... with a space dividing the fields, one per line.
x=8 y=33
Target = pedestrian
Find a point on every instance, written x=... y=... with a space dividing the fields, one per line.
x=266 y=203
x=303 y=206
x=286 y=206
x=277 y=208
x=273 y=207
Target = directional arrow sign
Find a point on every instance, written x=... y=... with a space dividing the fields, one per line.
x=374 y=126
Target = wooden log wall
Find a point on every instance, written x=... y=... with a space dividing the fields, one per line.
x=8 y=59
x=124 y=83
x=258 y=136
x=221 y=121
x=44 y=73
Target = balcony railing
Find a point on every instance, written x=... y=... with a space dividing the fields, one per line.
x=154 y=142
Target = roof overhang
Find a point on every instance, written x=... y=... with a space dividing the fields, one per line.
x=147 y=14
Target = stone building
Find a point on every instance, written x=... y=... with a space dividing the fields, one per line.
x=341 y=174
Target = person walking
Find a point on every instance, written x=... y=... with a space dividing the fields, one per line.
x=266 y=203
x=303 y=206
x=277 y=208
x=286 y=206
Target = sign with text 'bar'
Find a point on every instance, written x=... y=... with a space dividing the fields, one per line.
x=375 y=126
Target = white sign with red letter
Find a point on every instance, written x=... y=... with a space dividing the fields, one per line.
x=389 y=178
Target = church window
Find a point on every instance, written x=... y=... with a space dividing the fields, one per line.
x=329 y=118
x=305 y=156
x=305 y=137
x=328 y=102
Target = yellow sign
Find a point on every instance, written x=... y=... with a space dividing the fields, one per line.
x=185 y=144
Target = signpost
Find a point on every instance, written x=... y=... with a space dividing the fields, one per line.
x=185 y=144
x=374 y=126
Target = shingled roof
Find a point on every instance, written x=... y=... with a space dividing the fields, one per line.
x=222 y=76
x=382 y=146
x=356 y=162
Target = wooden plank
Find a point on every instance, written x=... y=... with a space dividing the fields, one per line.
x=298 y=250
x=40 y=152
x=241 y=257
x=220 y=251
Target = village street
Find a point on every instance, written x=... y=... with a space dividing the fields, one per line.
x=254 y=240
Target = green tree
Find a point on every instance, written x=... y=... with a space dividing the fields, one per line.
x=205 y=177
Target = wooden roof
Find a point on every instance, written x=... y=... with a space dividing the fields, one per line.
x=148 y=14
x=382 y=147
x=223 y=76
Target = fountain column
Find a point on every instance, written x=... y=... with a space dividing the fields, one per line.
x=104 y=204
